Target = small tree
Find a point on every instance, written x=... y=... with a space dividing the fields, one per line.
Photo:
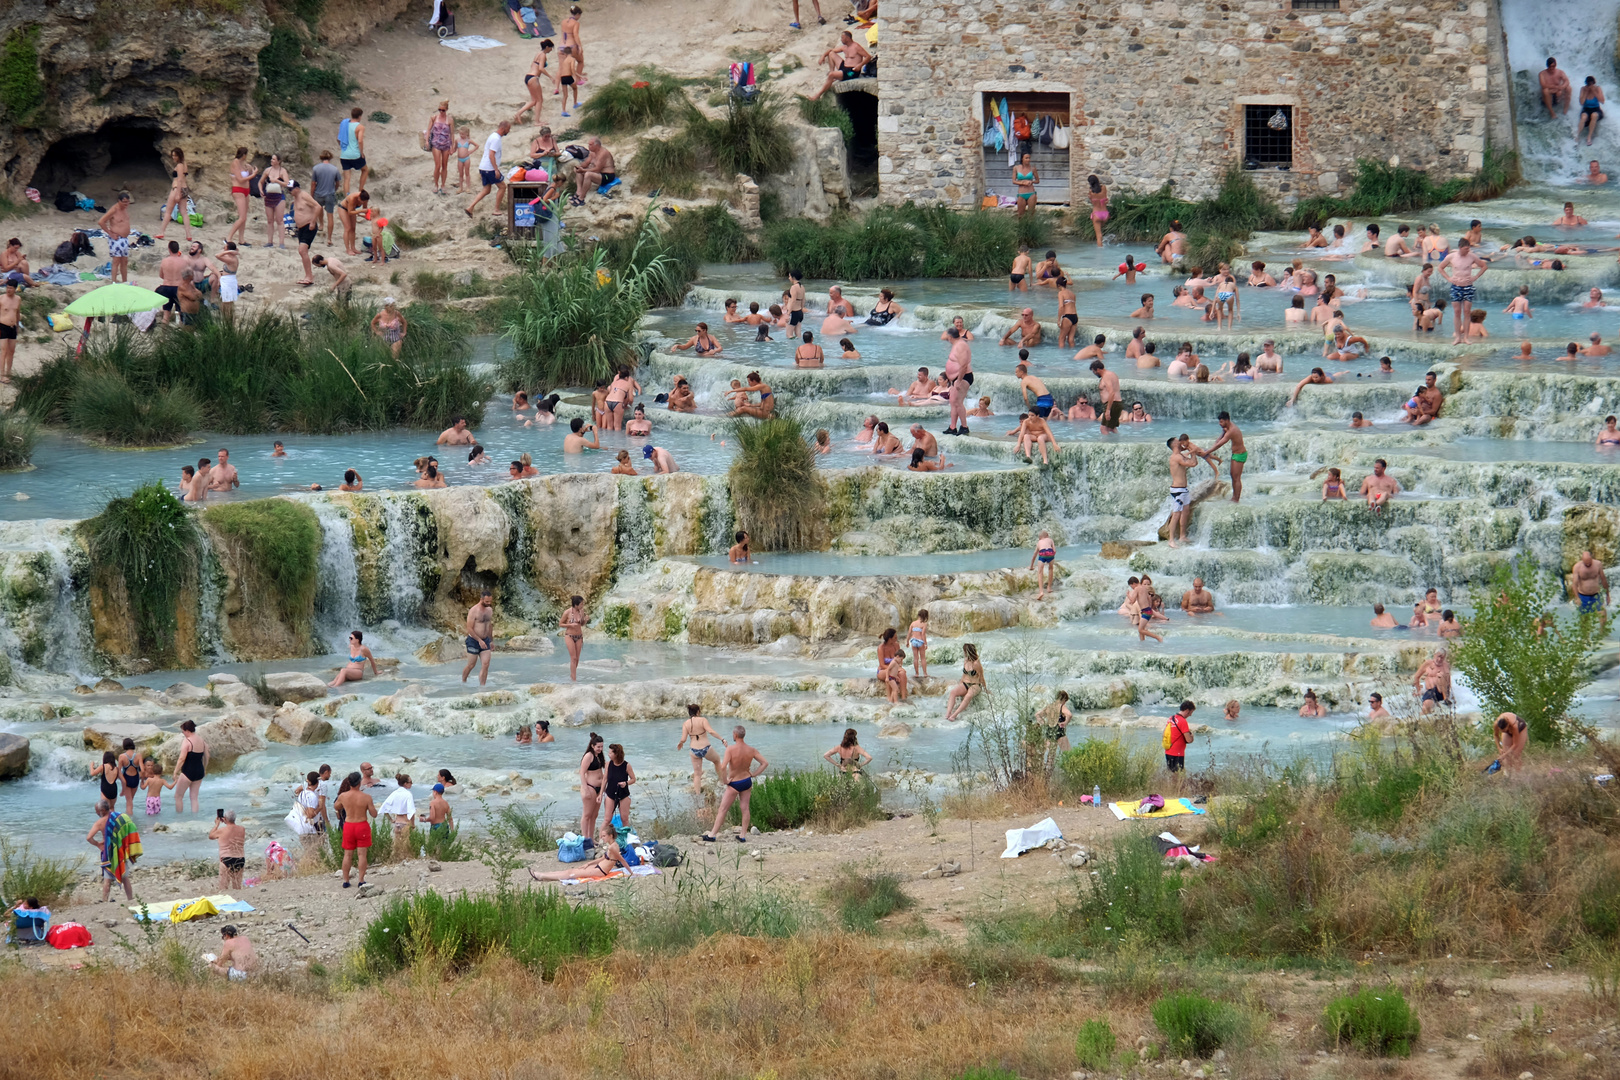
x=1520 y=657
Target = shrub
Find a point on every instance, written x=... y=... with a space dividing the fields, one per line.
x=1520 y=658
x=18 y=436
x=1132 y=891
x=106 y=407
x=706 y=903
x=775 y=485
x=280 y=542
x=576 y=319
x=791 y=799
x=750 y=138
x=863 y=899
x=666 y=165
x=24 y=874
x=904 y=241
x=620 y=105
x=1095 y=1045
x=523 y=828
x=431 y=287
x=22 y=90
x=1195 y=1026
x=1114 y=765
x=826 y=112
x=1380 y=189
x=1215 y=227
x=986 y=1072
x=1374 y=1021
x=451 y=934
x=709 y=234
x=147 y=541
x=286 y=80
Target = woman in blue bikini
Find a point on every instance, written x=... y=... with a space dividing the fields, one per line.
x=1025 y=177
x=1591 y=110
x=356 y=667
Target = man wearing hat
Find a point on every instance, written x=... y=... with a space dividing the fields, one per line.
x=236 y=956
x=663 y=461
x=438 y=812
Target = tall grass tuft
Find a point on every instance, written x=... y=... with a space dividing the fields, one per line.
x=280 y=543
x=779 y=496
x=1133 y=891
x=1094 y=1045
x=1195 y=1026
x=896 y=242
x=826 y=112
x=707 y=902
x=863 y=899
x=24 y=874
x=709 y=234
x=146 y=542
x=831 y=799
x=669 y=165
x=749 y=138
x=1375 y=1022
x=525 y=828
x=620 y=105
x=1215 y=228
x=106 y=407
x=18 y=437
x=1380 y=188
x=537 y=928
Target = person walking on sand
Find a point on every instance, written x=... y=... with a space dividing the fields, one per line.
x=572 y=623
x=115 y=223
x=114 y=837
x=489 y=170
x=231 y=837
x=242 y=173
x=179 y=192
x=10 y=321
x=306 y=226
x=273 y=185
x=324 y=179
x=739 y=760
x=441 y=138
x=480 y=637
x=820 y=19
x=696 y=728
x=592 y=769
x=355 y=809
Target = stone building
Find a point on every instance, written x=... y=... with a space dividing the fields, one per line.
x=1296 y=90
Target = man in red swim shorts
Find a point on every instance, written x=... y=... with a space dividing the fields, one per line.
x=354 y=808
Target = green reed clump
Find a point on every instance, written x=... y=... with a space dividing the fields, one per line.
x=106 y=407
x=791 y=799
x=708 y=902
x=1378 y=1022
x=749 y=138
x=826 y=112
x=669 y=165
x=620 y=105
x=24 y=874
x=524 y=828
x=1196 y=1026
x=862 y=899
x=1094 y=1045
x=902 y=241
x=776 y=487
x=1215 y=228
x=279 y=542
x=18 y=437
x=537 y=928
x=1118 y=767
x=709 y=234
x=1132 y=891
x=1380 y=188
x=147 y=542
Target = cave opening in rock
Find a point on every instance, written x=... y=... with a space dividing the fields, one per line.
x=863 y=149
x=121 y=154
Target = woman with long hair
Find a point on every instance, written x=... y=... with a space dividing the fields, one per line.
x=592 y=767
x=849 y=756
x=179 y=191
x=242 y=173
x=1098 y=197
x=970 y=686
x=616 y=791
x=441 y=139
x=273 y=186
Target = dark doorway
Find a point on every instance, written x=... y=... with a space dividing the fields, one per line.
x=863 y=148
x=122 y=152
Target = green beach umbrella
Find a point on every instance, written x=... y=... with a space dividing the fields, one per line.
x=116 y=299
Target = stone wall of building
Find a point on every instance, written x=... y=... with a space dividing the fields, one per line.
x=1157 y=88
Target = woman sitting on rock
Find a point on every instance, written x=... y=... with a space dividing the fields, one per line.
x=356 y=667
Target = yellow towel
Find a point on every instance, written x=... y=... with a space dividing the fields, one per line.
x=1172 y=808
x=193 y=909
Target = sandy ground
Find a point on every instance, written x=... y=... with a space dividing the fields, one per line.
x=402 y=70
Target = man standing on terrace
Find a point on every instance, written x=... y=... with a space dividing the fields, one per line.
x=1112 y=405
x=1460 y=270
x=1587 y=580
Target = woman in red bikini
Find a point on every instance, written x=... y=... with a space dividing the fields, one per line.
x=242 y=173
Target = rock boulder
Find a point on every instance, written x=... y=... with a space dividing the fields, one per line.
x=298 y=727
x=295 y=685
x=13 y=756
x=111 y=737
x=228 y=739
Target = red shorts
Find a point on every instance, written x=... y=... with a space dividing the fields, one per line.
x=356 y=834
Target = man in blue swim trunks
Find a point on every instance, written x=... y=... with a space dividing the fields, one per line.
x=1028 y=385
x=1460 y=270
x=739 y=773
x=480 y=637
x=1588 y=582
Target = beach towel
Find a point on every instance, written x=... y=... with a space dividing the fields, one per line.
x=165 y=912
x=1022 y=840
x=1172 y=807
x=120 y=845
x=469 y=42
x=616 y=872
x=187 y=910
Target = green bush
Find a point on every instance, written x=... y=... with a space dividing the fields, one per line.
x=1132 y=891
x=1118 y=767
x=536 y=928
x=1195 y=1026
x=668 y=165
x=1095 y=1045
x=706 y=903
x=863 y=899
x=1215 y=227
x=987 y=1072
x=1375 y=1022
x=826 y=112
x=147 y=541
x=18 y=436
x=523 y=828
x=1381 y=189
x=287 y=80
x=22 y=90
x=750 y=139
x=280 y=541
x=105 y=406
x=709 y=234
x=776 y=487
x=1520 y=658
x=790 y=799
x=620 y=105
x=1377 y=788
x=24 y=874
x=897 y=242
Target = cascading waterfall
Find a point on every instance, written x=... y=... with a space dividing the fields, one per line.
x=402 y=558
x=337 y=594
x=210 y=597
x=46 y=622
x=1583 y=41
x=633 y=529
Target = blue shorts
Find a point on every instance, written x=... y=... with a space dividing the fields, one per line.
x=475 y=647
x=1590 y=603
x=1043 y=405
x=489 y=177
x=741 y=785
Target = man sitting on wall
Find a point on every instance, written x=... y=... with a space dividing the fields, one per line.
x=847 y=58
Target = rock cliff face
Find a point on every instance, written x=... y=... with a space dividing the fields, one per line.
x=116 y=78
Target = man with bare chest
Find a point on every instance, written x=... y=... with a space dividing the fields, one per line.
x=10 y=318
x=170 y=272
x=115 y=223
x=480 y=637
x=1460 y=270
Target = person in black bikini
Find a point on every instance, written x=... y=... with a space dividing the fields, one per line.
x=739 y=760
x=617 y=790
x=191 y=767
x=956 y=701
x=129 y=767
x=591 y=767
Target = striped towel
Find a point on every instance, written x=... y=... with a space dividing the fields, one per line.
x=120 y=845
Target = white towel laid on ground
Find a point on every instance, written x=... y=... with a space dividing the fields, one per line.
x=469 y=42
x=1022 y=840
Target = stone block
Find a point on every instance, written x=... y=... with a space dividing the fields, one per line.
x=13 y=755
x=101 y=737
x=295 y=685
x=298 y=727
x=228 y=739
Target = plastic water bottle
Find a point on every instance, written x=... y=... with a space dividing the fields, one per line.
x=1096 y=796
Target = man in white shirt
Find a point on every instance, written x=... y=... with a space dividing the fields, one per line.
x=400 y=809
x=489 y=168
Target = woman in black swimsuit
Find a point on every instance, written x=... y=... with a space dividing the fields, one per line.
x=107 y=773
x=956 y=701
x=884 y=311
x=129 y=767
x=617 y=791
x=191 y=768
x=591 y=767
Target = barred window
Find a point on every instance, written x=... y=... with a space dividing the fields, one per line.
x=1316 y=5
x=1268 y=136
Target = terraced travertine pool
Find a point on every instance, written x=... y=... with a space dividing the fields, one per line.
x=787 y=644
